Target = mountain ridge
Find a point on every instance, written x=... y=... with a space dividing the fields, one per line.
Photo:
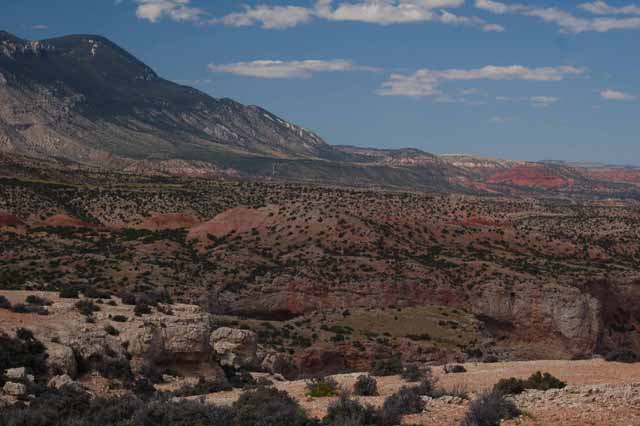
x=84 y=99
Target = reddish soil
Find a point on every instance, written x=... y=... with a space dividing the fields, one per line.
x=168 y=221
x=9 y=220
x=63 y=220
x=531 y=176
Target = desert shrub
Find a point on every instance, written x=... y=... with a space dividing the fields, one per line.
x=69 y=293
x=240 y=379
x=36 y=300
x=412 y=373
x=203 y=387
x=489 y=409
x=21 y=308
x=268 y=407
x=510 y=386
x=490 y=359
x=544 y=382
x=622 y=355
x=537 y=381
x=128 y=299
x=114 y=368
x=119 y=318
x=182 y=413
x=365 y=386
x=321 y=387
x=386 y=367
x=111 y=330
x=349 y=412
x=459 y=391
x=22 y=351
x=405 y=401
x=142 y=309
x=454 y=368
x=71 y=407
x=87 y=307
x=286 y=368
x=94 y=293
x=429 y=386
x=4 y=303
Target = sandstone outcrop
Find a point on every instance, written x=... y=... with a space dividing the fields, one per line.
x=235 y=348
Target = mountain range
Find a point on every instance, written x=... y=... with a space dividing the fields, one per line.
x=85 y=101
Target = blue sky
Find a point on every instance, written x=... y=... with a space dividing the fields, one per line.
x=533 y=80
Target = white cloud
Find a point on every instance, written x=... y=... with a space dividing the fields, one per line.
x=602 y=8
x=40 y=27
x=287 y=69
x=381 y=12
x=566 y=21
x=426 y=82
x=176 y=10
x=269 y=17
x=499 y=119
x=543 y=101
x=614 y=95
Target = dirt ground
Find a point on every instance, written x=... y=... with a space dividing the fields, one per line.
x=617 y=386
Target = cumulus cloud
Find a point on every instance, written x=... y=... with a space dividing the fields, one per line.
x=287 y=69
x=268 y=17
x=566 y=21
x=426 y=82
x=602 y=8
x=381 y=12
x=614 y=95
x=176 y=10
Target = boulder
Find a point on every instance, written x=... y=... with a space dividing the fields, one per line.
x=94 y=347
x=15 y=389
x=58 y=382
x=173 y=339
x=235 y=348
x=61 y=360
x=16 y=374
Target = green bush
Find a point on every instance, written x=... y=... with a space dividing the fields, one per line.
x=71 y=407
x=544 y=382
x=622 y=355
x=142 y=309
x=537 y=381
x=387 y=367
x=87 y=307
x=268 y=407
x=69 y=293
x=36 y=300
x=405 y=401
x=365 y=386
x=111 y=330
x=489 y=409
x=4 y=303
x=510 y=386
x=412 y=373
x=22 y=351
x=348 y=412
x=320 y=387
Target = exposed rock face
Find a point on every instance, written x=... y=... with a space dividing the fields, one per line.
x=17 y=374
x=538 y=311
x=182 y=338
x=235 y=348
x=94 y=346
x=61 y=359
x=15 y=389
x=59 y=382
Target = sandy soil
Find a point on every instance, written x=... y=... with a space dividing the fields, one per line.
x=580 y=375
